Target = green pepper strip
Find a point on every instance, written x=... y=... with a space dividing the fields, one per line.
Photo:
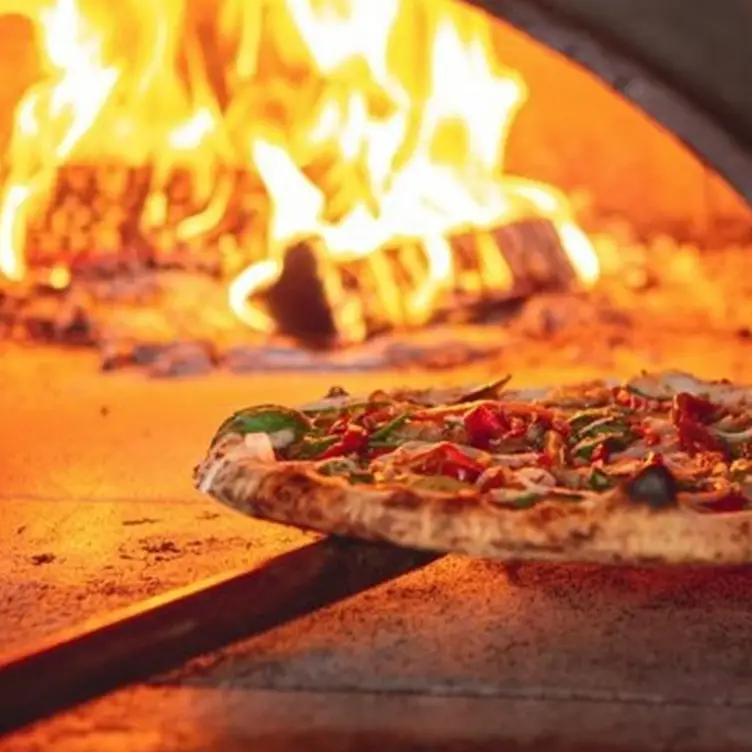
x=615 y=443
x=378 y=437
x=525 y=501
x=603 y=427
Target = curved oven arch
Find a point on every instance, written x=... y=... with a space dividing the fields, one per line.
x=685 y=69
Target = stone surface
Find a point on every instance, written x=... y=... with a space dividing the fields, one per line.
x=167 y=719
x=97 y=511
x=65 y=561
x=475 y=628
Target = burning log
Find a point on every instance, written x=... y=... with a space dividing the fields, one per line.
x=101 y=219
x=320 y=301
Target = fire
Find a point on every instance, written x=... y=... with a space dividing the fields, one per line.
x=368 y=124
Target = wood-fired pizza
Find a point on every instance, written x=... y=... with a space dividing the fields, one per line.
x=657 y=469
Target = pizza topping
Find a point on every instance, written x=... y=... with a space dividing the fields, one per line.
x=353 y=439
x=447 y=459
x=649 y=387
x=602 y=446
x=526 y=499
x=599 y=481
x=347 y=468
x=654 y=485
x=584 y=418
x=338 y=466
x=484 y=424
x=606 y=426
x=488 y=391
x=496 y=476
x=283 y=425
x=694 y=437
x=336 y=391
x=311 y=447
x=516 y=499
x=509 y=408
x=740 y=470
x=734 y=438
x=555 y=448
x=519 y=448
x=386 y=435
x=696 y=409
x=586 y=395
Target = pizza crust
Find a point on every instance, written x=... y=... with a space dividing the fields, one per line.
x=610 y=530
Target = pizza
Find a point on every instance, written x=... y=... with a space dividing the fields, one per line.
x=656 y=469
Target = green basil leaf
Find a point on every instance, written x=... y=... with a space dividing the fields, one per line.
x=384 y=432
x=268 y=419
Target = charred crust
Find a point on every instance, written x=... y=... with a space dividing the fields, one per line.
x=612 y=530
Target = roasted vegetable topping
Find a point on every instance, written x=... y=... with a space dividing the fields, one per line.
x=601 y=447
x=353 y=439
x=447 y=459
x=599 y=481
x=283 y=425
x=483 y=424
x=583 y=439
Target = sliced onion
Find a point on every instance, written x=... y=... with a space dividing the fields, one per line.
x=535 y=478
x=734 y=438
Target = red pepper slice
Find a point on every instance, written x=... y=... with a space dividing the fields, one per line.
x=354 y=439
x=340 y=425
x=649 y=436
x=694 y=437
x=517 y=428
x=544 y=460
x=601 y=452
x=695 y=409
x=483 y=424
x=446 y=459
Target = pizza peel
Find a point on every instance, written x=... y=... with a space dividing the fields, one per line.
x=161 y=633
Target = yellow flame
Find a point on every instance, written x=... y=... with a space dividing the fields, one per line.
x=455 y=132
x=53 y=117
x=368 y=122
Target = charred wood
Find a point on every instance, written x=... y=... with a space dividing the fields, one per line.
x=373 y=293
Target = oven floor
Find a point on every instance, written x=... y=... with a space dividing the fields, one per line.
x=97 y=512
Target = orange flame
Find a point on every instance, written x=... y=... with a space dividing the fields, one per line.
x=368 y=123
